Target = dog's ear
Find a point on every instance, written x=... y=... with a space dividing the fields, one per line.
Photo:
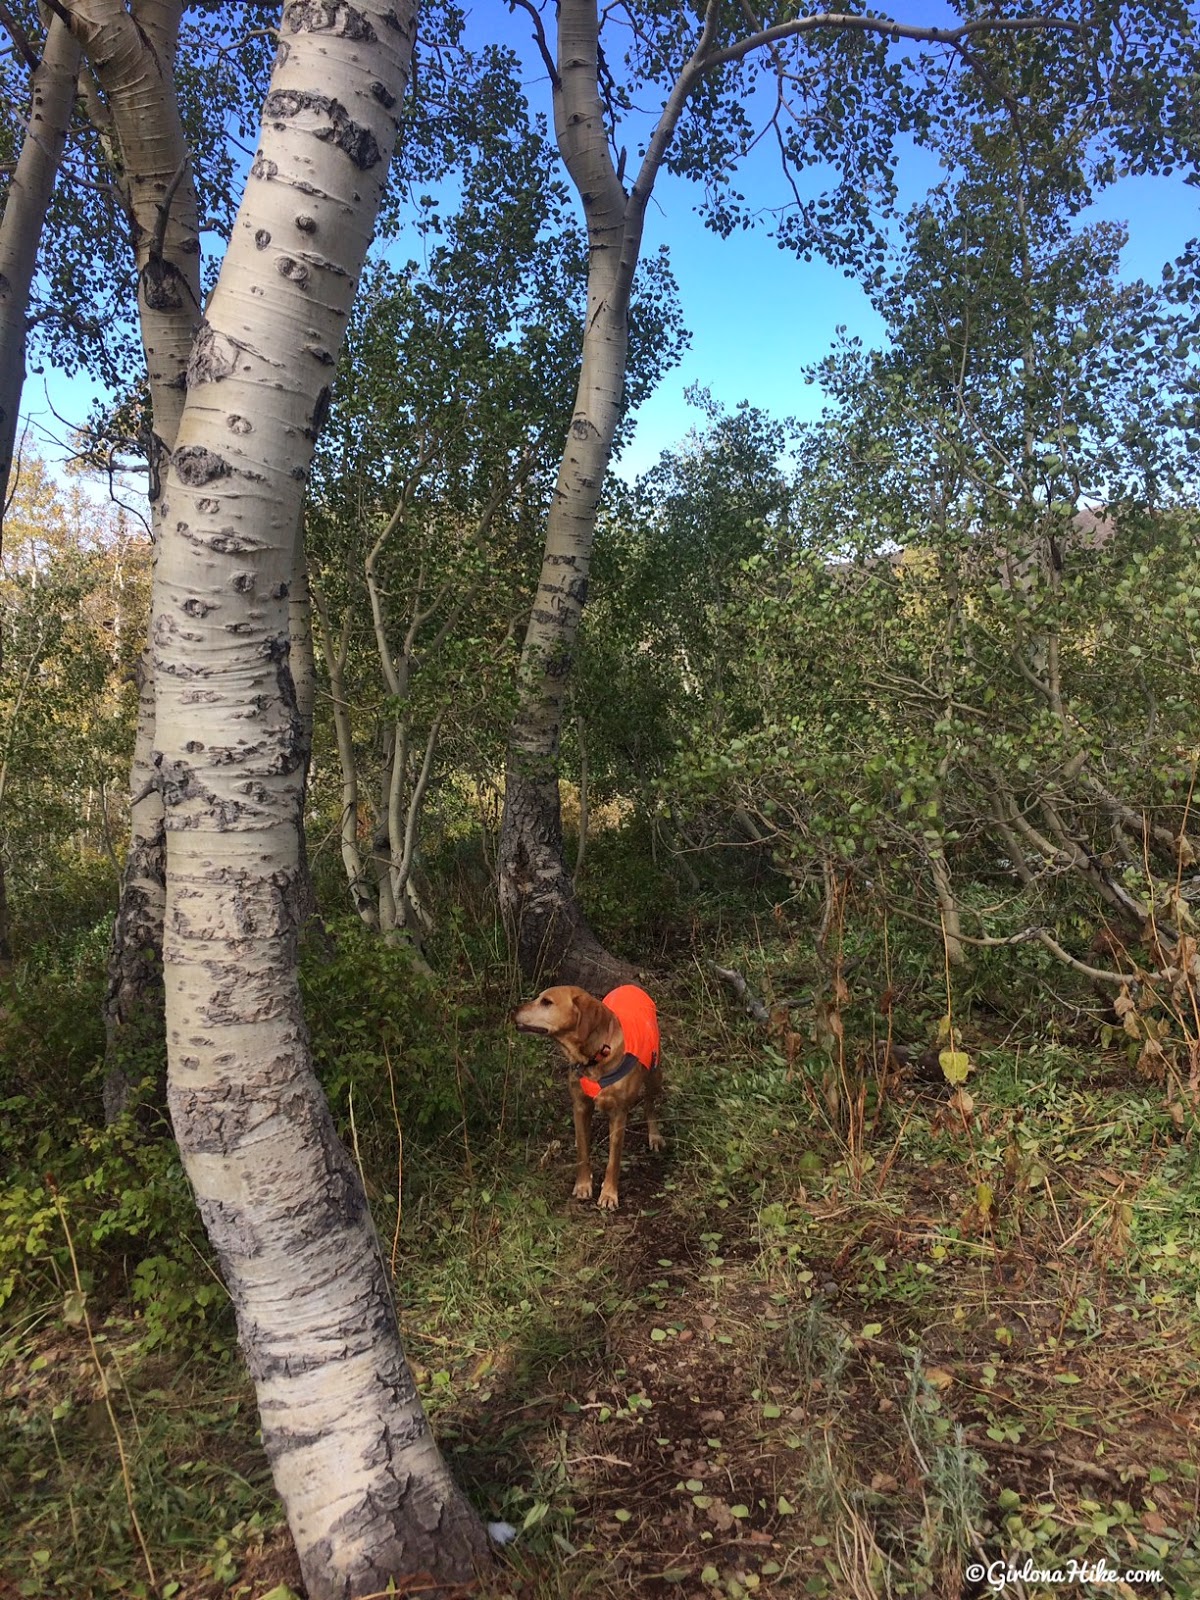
x=595 y=1024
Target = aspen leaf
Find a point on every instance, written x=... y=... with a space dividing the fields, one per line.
x=985 y=1199
x=945 y=1029
x=955 y=1065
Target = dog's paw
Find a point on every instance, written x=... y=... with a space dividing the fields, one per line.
x=657 y=1142
x=608 y=1200
x=582 y=1189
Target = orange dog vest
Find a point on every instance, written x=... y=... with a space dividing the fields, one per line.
x=636 y=1012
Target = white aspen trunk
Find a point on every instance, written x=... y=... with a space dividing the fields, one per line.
x=536 y=894
x=132 y=55
x=133 y=58
x=51 y=99
x=367 y=1495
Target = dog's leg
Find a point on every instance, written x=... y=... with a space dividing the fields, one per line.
x=609 y=1199
x=653 y=1090
x=583 y=1109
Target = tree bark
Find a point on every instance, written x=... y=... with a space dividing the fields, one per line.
x=546 y=925
x=132 y=55
x=51 y=99
x=366 y=1492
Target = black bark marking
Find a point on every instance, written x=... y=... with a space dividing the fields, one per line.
x=320 y=412
x=161 y=285
x=384 y=95
x=176 y=779
x=325 y=16
x=264 y=167
x=196 y=466
x=229 y=542
x=214 y=356
x=208 y=506
x=306 y=224
x=193 y=606
x=296 y=271
x=319 y=353
x=243 y=582
x=350 y=137
x=238 y=424
x=262 y=238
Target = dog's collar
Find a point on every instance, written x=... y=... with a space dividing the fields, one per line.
x=592 y=1086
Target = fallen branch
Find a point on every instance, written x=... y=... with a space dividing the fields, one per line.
x=751 y=1004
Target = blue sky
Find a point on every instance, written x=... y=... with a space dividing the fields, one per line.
x=757 y=315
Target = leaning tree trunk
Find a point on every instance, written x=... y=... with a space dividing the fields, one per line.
x=133 y=60
x=545 y=922
x=51 y=99
x=367 y=1494
x=537 y=897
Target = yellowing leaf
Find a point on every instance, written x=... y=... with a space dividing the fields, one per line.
x=985 y=1199
x=955 y=1065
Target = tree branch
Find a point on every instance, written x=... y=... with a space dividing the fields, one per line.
x=882 y=25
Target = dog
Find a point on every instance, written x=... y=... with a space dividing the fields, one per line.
x=617 y=1040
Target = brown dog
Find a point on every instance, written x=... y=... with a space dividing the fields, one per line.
x=616 y=1041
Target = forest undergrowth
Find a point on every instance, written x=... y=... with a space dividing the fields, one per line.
x=859 y=1332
